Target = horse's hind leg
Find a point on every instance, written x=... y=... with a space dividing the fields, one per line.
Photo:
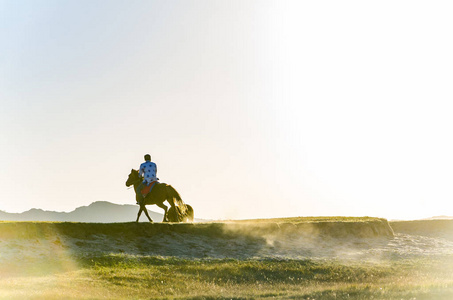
x=164 y=207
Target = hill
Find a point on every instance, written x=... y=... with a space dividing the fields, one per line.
x=440 y=218
x=200 y=240
x=438 y=228
x=97 y=212
x=289 y=258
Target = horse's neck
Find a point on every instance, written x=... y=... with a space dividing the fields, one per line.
x=137 y=182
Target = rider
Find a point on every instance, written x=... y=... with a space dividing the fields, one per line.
x=148 y=170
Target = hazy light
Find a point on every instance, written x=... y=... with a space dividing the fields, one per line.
x=250 y=109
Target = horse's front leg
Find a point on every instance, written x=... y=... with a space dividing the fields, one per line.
x=143 y=207
x=139 y=213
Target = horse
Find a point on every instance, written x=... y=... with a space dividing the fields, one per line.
x=159 y=193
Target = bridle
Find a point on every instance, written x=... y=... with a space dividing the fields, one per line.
x=135 y=181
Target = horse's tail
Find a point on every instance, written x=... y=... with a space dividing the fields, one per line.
x=189 y=213
x=173 y=194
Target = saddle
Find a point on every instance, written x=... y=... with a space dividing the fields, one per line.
x=147 y=189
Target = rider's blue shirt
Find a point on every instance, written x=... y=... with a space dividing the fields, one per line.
x=148 y=170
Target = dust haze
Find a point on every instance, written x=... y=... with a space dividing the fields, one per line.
x=59 y=245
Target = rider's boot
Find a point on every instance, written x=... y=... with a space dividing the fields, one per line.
x=138 y=198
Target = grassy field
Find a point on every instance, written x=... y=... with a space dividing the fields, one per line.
x=126 y=277
x=72 y=263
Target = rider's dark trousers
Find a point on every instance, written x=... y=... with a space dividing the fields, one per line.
x=138 y=192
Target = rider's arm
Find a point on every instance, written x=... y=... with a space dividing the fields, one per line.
x=141 y=170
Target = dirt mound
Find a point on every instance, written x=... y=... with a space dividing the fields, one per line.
x=48 y=245
x=195 y=240
x=365 y=229
x=429 y=228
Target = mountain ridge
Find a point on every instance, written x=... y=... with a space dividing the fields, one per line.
x=96 y=212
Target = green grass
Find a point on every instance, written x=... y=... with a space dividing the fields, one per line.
x=120 y=276
x=70 y=261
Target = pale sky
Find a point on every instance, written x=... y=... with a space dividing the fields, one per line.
x=250 y=109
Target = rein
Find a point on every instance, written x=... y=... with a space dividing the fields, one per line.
x=132 y=185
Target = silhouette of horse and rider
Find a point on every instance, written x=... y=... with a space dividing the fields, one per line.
x=149 y=191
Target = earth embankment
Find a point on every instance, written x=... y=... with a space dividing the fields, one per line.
x=294 y=238
x=364 y=228
x=429 y=228
x=45 y=260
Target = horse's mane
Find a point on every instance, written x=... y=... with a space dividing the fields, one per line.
x=135 y=173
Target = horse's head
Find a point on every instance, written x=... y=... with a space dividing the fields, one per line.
x=133 y=178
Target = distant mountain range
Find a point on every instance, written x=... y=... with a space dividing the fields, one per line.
x=439 y=218
x=96 y=212
x=101 y=212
